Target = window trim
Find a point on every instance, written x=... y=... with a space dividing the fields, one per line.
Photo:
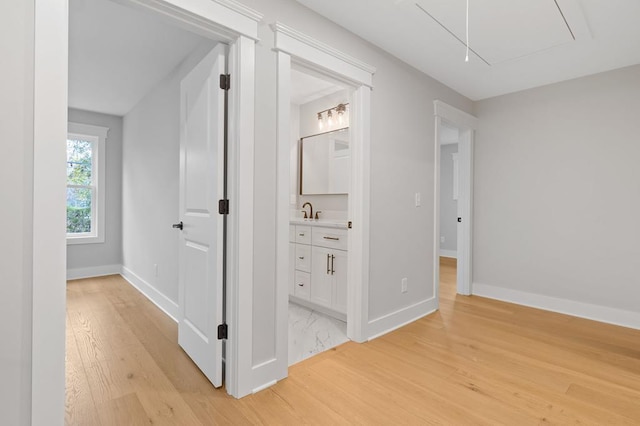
x=98 y=136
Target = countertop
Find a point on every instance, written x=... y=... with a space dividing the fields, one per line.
x=326 y=223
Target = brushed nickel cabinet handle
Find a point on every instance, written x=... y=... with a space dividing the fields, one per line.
x=332 y=238
x=332 y=270
x=301 y=284
x=328 y=270
x=301 y=235
x=301 y=257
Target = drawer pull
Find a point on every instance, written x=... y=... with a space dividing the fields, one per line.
x=332 y=238
x=301 y=284
x=301 y=235
x=301 y=257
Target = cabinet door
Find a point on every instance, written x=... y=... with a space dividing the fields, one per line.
x=303 y=284
x=339 y=302
x=321 y=278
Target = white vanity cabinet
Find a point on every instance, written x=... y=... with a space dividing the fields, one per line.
x=300 y=261
x=318 y=258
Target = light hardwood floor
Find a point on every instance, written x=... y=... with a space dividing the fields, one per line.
x=475 y=362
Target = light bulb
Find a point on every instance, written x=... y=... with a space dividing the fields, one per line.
x=320 y=122
x=329 y=118
x=340 y=109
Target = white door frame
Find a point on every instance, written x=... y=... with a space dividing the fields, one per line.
x=467 y=124
x=224 y=20
x=294 y=46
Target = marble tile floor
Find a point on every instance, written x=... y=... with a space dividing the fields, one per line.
x=311 y=332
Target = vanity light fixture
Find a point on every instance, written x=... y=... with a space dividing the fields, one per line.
x=339 y=109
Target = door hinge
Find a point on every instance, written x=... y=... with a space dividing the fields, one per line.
x=225 y=81
x=349 y=224
x=222 y=331
x=223 y=206
x=460 y=219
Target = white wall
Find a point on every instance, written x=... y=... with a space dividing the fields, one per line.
x=402 y=148
x=448 y=206
x=110 y=252
x=150 y=193
x=333 y=206
x=16 y=183
x=557 y=187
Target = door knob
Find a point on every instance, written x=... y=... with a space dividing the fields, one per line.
x=178 y=225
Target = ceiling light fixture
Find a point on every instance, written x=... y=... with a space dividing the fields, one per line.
x=339 y=109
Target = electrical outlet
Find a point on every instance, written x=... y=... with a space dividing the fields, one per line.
x=418 y=201
x=404 y=285
x=442 y=239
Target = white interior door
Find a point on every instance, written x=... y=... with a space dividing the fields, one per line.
x=201 y=173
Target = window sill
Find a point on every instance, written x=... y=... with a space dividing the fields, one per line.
x=88 y=239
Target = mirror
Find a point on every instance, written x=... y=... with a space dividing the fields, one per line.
x=325 y=163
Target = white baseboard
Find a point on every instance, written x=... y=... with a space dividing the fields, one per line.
x=262 y=375
x=400 y=318
x=563 y=306
x=94 y=271
x=167 y=305
x=449 y=253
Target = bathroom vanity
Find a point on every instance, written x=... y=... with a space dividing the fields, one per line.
x=318 y=265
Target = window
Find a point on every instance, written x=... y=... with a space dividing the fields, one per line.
x=85 y=183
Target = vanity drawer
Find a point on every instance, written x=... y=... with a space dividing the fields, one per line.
x=303 y=234
x=302 y=285
x=330 y=238
x=303 y=258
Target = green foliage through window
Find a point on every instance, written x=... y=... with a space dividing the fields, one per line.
x=79 y=191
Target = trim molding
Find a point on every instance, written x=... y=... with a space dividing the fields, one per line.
x=93 y=271
x=263 y=375
x=167 y=305
x=563 y=306
x=219 y=18
x=400 y=318
x=241 y=9
x=455 y=115
x=449 y=253
x=266 y=385
x=298 y=44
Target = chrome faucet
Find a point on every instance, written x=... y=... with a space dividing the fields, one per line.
x=310 y=210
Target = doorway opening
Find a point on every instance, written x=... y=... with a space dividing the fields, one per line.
x=218 y=21
x=319 y=199
x=153 y=87
x=296 y=51
x=453 y=197
x=449 y=137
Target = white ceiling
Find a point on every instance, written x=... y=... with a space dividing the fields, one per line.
x=516 y=44
x=306 y=88
x=117 y=54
